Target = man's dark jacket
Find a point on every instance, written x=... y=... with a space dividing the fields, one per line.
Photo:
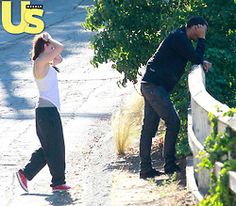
x=168 y=63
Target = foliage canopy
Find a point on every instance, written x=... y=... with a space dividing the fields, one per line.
x=129 y=31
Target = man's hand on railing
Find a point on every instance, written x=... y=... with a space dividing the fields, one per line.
x=207 y=65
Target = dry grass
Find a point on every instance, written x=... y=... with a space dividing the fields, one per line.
x=126 y=123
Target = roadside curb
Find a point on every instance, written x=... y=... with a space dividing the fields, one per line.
x=191 y=183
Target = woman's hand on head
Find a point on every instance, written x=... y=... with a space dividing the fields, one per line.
x=46 y=36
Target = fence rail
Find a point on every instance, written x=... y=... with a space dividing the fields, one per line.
x=199 y=127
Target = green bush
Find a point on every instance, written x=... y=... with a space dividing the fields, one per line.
x=216 y=148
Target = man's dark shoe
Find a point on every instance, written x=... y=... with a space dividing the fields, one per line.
x=172 y=169
x=150 y=174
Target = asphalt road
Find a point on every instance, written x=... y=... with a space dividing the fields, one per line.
x=88 y=97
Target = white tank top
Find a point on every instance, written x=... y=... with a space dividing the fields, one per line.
x=48 y=87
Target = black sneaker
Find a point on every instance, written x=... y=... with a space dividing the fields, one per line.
x=150 y=174
x=172 y=169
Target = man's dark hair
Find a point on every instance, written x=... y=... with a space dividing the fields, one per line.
x=195 y=20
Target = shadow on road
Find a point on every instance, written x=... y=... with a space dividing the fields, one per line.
x=56 y=198
x=60 y=198
x=130 y=163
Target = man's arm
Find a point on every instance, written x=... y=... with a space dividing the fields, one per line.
x=183 y=46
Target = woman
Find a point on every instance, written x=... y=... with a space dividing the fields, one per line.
x=45 y=55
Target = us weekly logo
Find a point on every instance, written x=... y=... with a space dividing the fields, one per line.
x=30 y=18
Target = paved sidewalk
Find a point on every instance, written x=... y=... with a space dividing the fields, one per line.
x=88 y=98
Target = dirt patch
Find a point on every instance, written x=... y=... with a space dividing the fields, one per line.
x=164 y=190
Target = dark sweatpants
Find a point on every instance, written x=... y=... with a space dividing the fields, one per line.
x=52 y=151
x=157 y=105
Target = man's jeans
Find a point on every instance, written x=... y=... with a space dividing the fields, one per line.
x=157 y=104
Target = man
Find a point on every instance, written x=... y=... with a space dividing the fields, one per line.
x=163 y=71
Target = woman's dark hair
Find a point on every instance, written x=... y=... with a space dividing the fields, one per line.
x=195 y=20
x=38 y=46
